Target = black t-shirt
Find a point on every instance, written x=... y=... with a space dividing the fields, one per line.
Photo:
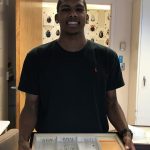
x=71 y=86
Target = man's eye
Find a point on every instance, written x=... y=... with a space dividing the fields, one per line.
x=79 y=9
x=65 y=9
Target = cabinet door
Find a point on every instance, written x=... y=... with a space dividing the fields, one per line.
x=28 y=35
x=143 y=91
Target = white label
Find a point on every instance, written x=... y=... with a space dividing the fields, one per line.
x=67 y=139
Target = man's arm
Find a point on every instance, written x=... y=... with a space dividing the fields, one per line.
x=117 y=118
x=115 y=113
x=28 y=119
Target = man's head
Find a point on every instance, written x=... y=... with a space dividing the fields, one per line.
x=60 y=1
x=72 y=16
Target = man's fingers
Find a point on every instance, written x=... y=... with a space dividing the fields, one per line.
x=128 y=143
x=127 y=147
x=126 y=136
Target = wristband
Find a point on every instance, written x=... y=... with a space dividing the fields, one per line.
x=124 y=132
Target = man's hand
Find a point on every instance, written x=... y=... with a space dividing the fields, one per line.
x=128 y=143
x=24 y=145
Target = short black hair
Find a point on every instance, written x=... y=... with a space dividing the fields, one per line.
x=59 y=3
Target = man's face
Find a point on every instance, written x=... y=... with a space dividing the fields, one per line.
x=72 y=16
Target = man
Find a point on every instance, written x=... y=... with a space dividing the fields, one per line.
x=71 y=83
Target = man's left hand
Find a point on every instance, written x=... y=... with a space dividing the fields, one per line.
x=128 y=143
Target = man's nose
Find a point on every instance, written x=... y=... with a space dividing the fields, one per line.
x=73 y=13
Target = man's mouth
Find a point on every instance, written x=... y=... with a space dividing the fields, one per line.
x=73 y=23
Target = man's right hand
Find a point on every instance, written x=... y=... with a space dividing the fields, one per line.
x=24 y=145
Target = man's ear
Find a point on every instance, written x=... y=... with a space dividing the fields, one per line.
x=87 y=19
x=56 y=18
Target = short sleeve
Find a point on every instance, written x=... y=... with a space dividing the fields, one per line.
x=29 y=75
x=115 y=78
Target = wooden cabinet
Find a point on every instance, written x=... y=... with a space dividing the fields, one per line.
x=139 y=95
